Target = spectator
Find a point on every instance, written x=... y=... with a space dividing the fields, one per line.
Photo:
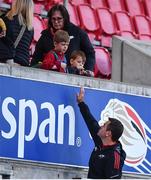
x=107 y=158
x=55 y=59
x=20 y=14
x=77 y=61
x=2 y=28
x=58 y=18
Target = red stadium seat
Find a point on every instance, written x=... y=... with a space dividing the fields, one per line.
x=143 y=27
x=49 y=3
x=38 y=8
x=147 y=6
x=45 y=20
x=103 y=66
x=97 y=3
x=74 y=18
x=91 y=36
x=39 y=26
x=107 y=26
x=134 y=7
x=125 y=24
x=53 y=1
x=88 y=19
x=39 y=1
x=78 y=2
x=7 y=1
x=116 y=5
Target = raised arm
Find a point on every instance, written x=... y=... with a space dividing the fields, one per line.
x=90 y=121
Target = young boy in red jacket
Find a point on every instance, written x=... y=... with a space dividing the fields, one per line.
x=55 y=59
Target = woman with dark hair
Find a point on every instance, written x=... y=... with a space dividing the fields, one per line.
x=58 y=18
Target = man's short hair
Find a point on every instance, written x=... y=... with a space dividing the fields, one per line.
x=116 y=128
x=61 y=36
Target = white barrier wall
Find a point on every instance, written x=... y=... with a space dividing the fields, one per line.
x=131 y=61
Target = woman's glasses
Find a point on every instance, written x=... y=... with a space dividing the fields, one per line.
x=58 y=19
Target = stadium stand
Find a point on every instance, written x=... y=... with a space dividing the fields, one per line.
x=107 y=26
x=134 y=7
x=147 y=7
x=38 y=8
x=39 y=25
x=49 y=3
x=101 y=19
x=88 y=20
x=103 y=64
x=97 y=3
x=78 y=2
x=39 y=1
x=74 y=18
x=125 y=24
x=8 y=1
x=116 y=5
x=143 y=27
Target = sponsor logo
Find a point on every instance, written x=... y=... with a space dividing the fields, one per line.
x=135 y=140
x=17 y=123
x=101 y=156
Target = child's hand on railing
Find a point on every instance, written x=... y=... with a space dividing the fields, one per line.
x=63 y=65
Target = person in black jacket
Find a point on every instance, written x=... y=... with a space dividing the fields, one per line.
x=2 y=28
x=107 y=158
x=58 y=18
x=21 y=13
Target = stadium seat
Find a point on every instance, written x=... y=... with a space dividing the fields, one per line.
x=143 y=27
x=107 y=26
x=39 y=1
x=74 y=18
x=49 y=3
x=116 y=5
x=125 y=24
x=8 y=1
x=53 y=1
x=38 y=7
x=147 y=6
x=97 y=3
x=39 y=25
x=88 y=19
x=103 y=64
x=78 y=2
x=45 y=20
x=134 y=7
x=91 y=36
